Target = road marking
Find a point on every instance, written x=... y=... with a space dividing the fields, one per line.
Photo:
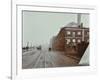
x=36 y=64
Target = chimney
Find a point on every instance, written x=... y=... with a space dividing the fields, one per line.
x=81 y=25
x=79 y=19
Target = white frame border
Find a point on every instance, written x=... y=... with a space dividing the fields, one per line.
x=17 y=72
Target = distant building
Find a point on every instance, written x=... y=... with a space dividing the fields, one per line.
x=72 y=40
x=58 y=42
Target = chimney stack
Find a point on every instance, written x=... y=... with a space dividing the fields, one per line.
x=81 y=25
x=79 y=19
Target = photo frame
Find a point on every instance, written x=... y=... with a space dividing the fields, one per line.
x=17 y=23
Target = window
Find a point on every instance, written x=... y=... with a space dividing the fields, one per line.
x=74 y=40
x=68 y=41
x=74 y=34
x=68 y=32
x=78 y=33
x=78 y=40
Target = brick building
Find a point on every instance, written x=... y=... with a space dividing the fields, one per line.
x=72 y=40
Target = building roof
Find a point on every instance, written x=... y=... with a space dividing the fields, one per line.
x=73 y=25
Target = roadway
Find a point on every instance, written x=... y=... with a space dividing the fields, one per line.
x=46 y=59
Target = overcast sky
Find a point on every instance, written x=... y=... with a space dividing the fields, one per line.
x=40 y=27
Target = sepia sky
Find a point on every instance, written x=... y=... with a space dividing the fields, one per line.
x=40 y=27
